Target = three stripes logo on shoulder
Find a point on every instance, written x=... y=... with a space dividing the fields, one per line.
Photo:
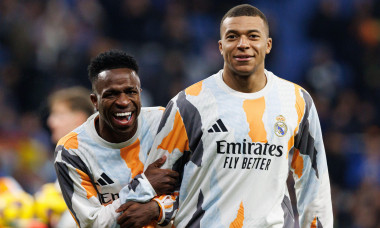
x=106 y=198
x=218 y=127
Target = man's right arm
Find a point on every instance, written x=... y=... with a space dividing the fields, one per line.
x=80 y=194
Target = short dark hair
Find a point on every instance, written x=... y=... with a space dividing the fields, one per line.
x=112 y=59
x=245 y=10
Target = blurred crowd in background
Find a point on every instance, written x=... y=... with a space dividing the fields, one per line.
x=330 y=47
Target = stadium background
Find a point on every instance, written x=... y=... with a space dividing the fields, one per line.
x=330 y=47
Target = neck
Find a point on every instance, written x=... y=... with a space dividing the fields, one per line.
x=245 y=83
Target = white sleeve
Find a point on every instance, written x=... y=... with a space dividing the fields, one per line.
x=80 y=193
x=171 y=140
x=309 y=167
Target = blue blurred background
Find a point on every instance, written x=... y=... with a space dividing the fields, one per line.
x=330 y=47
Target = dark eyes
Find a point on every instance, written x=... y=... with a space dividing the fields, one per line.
x=131 y=92
x=111 y=94
x=233 y=36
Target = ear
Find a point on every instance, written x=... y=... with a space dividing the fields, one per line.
x=220 y=47
x=94 y=100
x=269 y=45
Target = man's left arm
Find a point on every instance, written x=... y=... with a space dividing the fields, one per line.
x=171 y=141
x=159 y=181
x=310 y=172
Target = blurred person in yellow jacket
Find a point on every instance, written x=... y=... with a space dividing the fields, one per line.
x=16 y=205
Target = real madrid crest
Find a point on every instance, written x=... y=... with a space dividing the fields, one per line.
x=280 y=127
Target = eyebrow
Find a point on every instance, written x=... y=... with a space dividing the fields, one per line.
x=117 y=89
x=236 y=31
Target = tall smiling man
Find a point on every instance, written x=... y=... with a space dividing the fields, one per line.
x=96 y=162
x=234 y=137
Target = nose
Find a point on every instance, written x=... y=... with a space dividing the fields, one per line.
x=123 y=100
x=243 y=42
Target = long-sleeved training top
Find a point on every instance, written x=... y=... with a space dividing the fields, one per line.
x=234 y=151
x=92 y=172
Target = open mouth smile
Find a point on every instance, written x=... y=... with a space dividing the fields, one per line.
x=123 y=118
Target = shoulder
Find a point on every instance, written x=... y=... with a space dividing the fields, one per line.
x=291 y=90
x=152 y=112
x=281 y=82
x=196 y=88
x=151 y=116
x=194 y=91
x=70 y=141
x=73 y=148
x=155 y=109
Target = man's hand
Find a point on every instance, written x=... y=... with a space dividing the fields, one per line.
x=138 y=214
x=163 y=181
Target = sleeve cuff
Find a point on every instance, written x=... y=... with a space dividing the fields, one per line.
x=139 y=190
x=148 y=184
x=161 y=217
x=167 y=210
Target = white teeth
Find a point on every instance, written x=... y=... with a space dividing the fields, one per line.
x=124 y=114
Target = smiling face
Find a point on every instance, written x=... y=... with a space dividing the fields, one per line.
x=244 y=44
x=117 y=98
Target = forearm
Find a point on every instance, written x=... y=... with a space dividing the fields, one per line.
x=171 y=141
x=311 y=174
x=83 y=201
x=102 y=216
x=139 y=190
x=314 y=203
x=143 y=187
x=133 y=214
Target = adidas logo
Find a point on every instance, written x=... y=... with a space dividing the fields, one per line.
x=106 y=180
x=218 y=127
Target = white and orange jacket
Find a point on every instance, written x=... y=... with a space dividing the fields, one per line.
x=234 y=152
x=93 y=173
